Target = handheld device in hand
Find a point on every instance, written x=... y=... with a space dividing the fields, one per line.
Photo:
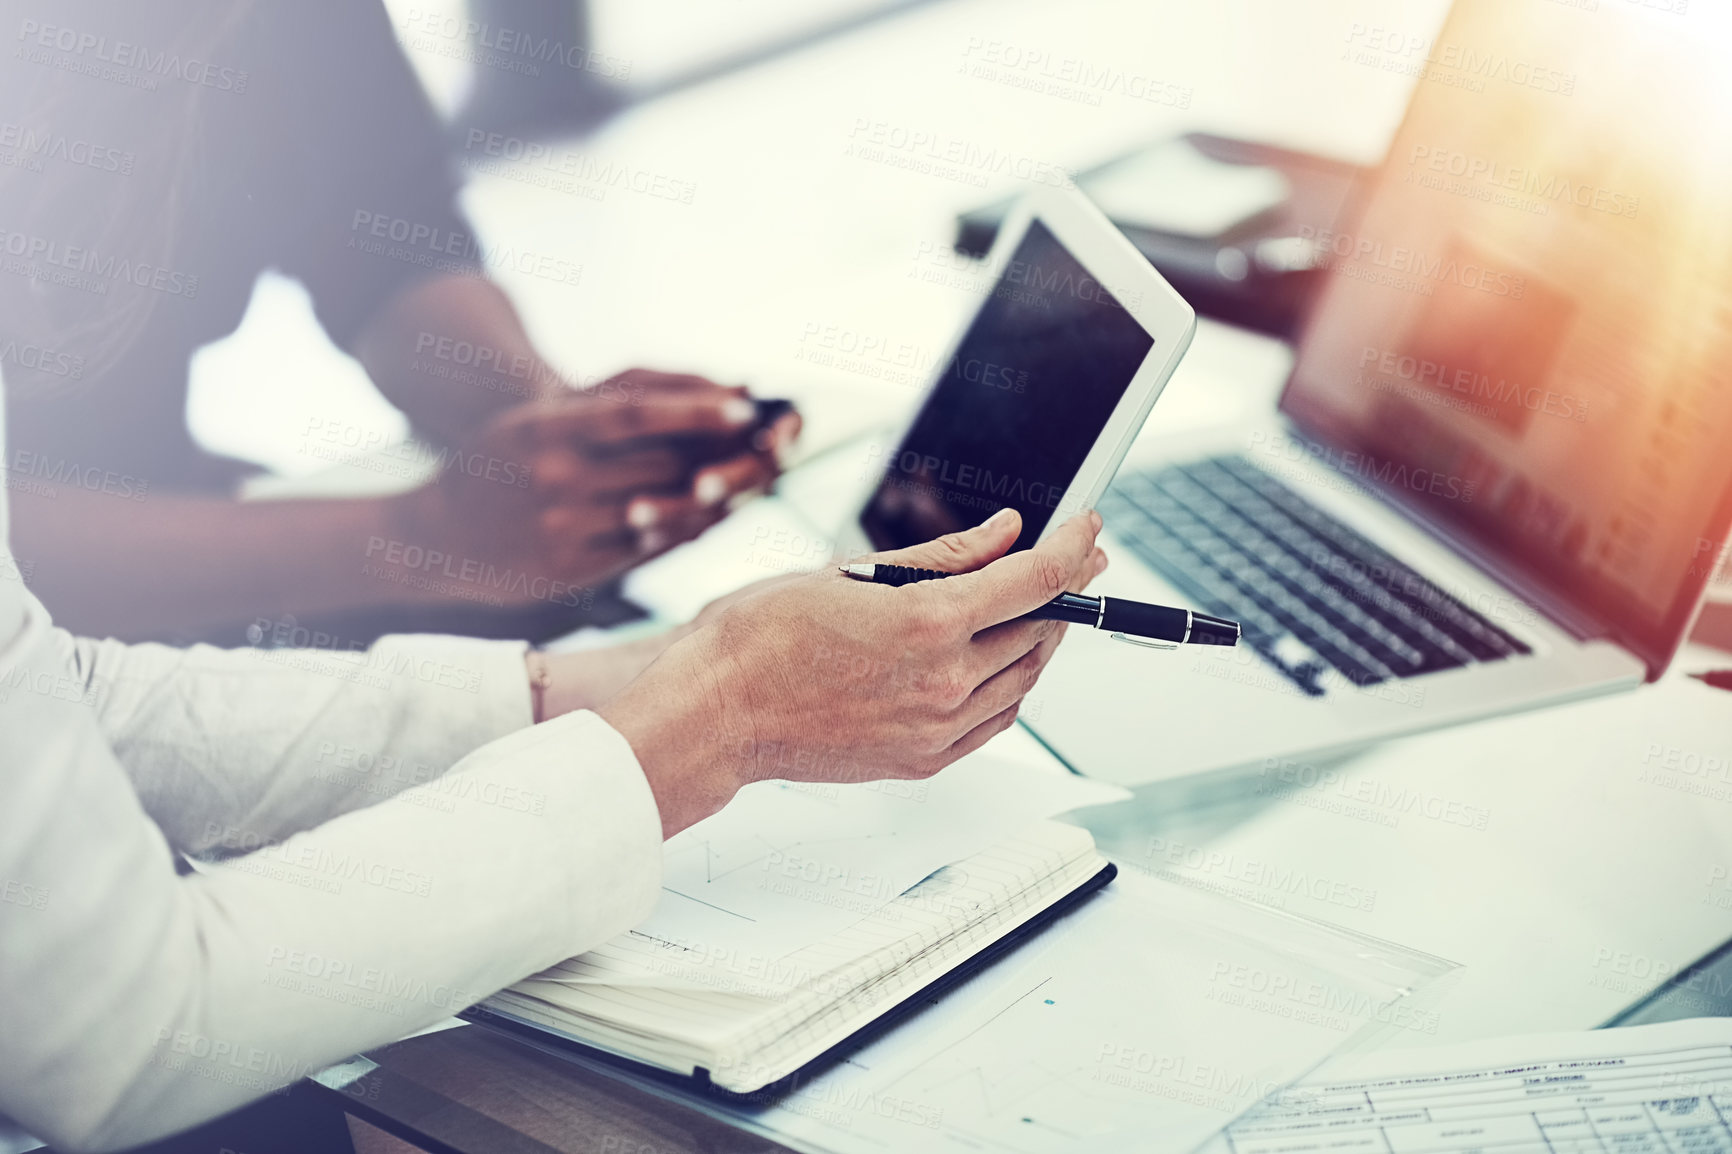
x=1035 y=406
x=770 y=410
x=698 y=450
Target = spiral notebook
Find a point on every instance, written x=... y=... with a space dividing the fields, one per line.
x=741 y=1022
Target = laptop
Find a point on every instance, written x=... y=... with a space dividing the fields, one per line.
x=1500 y=472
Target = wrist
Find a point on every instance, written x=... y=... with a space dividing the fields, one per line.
x=588 y=678
x=678 y=733
x=404 y=517
x=399 y=548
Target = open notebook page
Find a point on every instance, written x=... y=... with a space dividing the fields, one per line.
x=786 y=864
x=750 y=1023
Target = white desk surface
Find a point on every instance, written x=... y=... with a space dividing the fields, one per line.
x=1592 y=877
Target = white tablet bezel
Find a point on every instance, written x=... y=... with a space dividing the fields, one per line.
x=1110 y=258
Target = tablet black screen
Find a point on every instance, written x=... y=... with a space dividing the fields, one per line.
x=1015 y=411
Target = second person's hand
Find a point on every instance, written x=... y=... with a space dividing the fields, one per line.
x=571 y=491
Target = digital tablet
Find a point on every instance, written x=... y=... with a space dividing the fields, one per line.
x=1038 y=401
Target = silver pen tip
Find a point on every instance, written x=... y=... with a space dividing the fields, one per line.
x=860 y=569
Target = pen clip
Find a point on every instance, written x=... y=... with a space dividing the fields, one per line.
x=1145 y=642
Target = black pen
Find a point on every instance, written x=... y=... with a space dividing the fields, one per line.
x=1133 y=621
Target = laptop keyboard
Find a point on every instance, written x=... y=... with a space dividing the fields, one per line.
x=1311 y=593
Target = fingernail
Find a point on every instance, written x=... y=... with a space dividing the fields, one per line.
x=771 y=441
x=710 y=489
x=745 y=497
x=782 y=448
x=997 y=520
x=1095 y=519
x=739 y=411
x=641 y=515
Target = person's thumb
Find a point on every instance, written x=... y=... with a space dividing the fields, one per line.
x=961 y=552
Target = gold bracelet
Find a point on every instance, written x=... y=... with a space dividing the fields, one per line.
x=540 y=681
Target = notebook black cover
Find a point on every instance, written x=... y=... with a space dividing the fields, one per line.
x=553 y=1041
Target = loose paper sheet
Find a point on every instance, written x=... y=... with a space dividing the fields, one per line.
x=1643 y=1090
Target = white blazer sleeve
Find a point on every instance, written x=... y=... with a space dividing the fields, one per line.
x=232 y=749
x=135 y=1002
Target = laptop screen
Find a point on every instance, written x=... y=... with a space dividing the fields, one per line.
x=1527 y=332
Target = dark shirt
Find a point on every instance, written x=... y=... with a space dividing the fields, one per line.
x=155 y=157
